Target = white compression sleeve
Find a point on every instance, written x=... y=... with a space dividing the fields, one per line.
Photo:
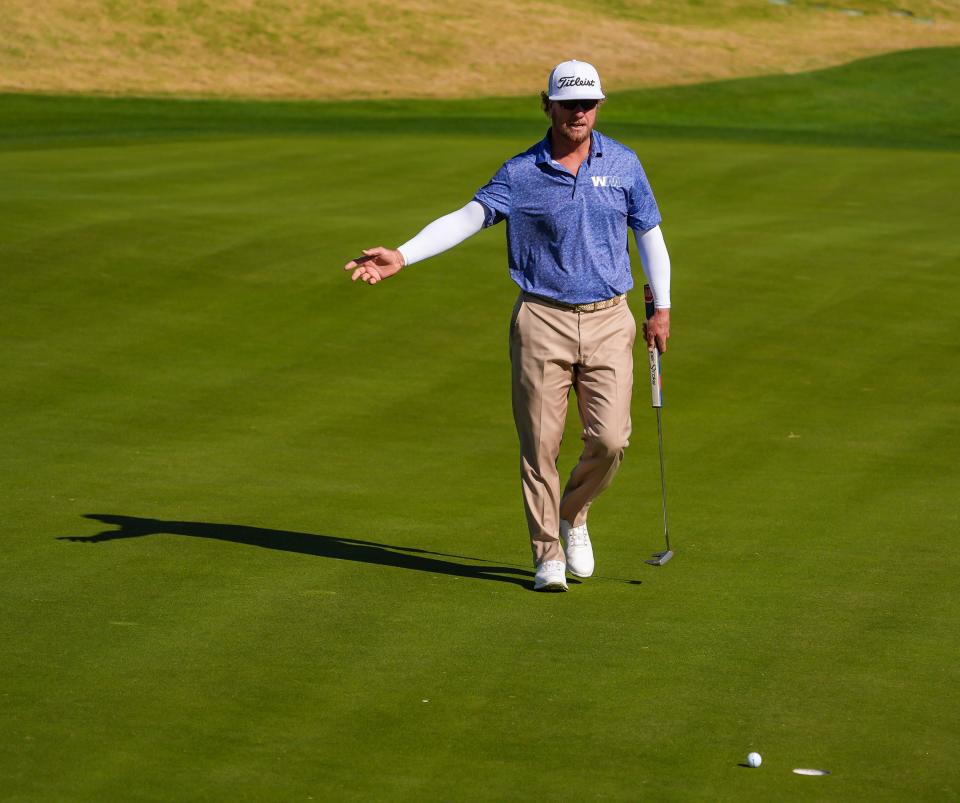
x=656 y=264
x=444 y=233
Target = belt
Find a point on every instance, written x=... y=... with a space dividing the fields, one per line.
x=593 y=306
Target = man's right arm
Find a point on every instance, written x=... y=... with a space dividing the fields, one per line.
x=435 y=238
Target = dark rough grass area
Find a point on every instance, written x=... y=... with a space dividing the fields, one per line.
x=262 y=528
x=907 y=99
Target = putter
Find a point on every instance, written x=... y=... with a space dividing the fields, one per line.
x=656 y=390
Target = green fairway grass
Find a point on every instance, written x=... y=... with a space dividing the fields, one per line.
x=263 y=529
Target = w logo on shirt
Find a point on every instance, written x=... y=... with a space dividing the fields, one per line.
x=606 y=181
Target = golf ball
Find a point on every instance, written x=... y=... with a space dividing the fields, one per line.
x=754 y=759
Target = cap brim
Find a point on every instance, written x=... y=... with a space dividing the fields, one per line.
x=587 y=95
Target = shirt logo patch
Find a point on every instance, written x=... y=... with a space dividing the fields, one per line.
x=606 y=181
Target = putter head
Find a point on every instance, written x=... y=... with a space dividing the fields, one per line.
x=659 y=558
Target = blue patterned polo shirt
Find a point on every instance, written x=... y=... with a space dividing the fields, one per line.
x=566 y=234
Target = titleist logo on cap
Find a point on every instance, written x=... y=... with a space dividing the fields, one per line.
x=572 y=80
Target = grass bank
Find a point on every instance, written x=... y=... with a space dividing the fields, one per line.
x=899 y=100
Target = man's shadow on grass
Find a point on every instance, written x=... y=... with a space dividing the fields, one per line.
x=322 y=546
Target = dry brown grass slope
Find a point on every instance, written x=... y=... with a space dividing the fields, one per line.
x=432 y=48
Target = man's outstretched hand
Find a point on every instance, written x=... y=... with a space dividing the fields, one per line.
x=383 y=263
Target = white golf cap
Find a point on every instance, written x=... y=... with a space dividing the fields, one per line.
x=574 y=80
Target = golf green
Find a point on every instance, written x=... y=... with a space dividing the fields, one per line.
x=262 y=526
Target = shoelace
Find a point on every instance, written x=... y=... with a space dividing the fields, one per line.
x=577 y=536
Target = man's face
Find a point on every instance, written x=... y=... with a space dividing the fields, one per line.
x=574 y=124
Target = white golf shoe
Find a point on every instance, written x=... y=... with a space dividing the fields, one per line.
x=551 y=576
x=576 y=545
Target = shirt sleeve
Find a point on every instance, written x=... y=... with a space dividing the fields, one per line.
x=642 y=211
x=494 y=196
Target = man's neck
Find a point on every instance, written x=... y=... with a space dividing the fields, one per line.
x=570 y=154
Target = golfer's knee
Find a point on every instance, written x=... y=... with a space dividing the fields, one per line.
x=608 y=445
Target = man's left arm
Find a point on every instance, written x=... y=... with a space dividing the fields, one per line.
x=656 y=267
x=643 y=216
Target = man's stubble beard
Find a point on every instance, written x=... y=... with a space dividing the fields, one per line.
x=575 y=136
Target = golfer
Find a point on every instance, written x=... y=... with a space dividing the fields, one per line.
x=569 y=201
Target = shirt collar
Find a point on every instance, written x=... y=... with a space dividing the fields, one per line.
x=543 y=147
x=597 y=144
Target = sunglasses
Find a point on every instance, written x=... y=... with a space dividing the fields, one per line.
x=571 y=105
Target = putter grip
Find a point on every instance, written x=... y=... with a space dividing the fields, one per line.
x=656 y=381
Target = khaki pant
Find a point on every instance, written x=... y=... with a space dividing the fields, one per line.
x=551 y=351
